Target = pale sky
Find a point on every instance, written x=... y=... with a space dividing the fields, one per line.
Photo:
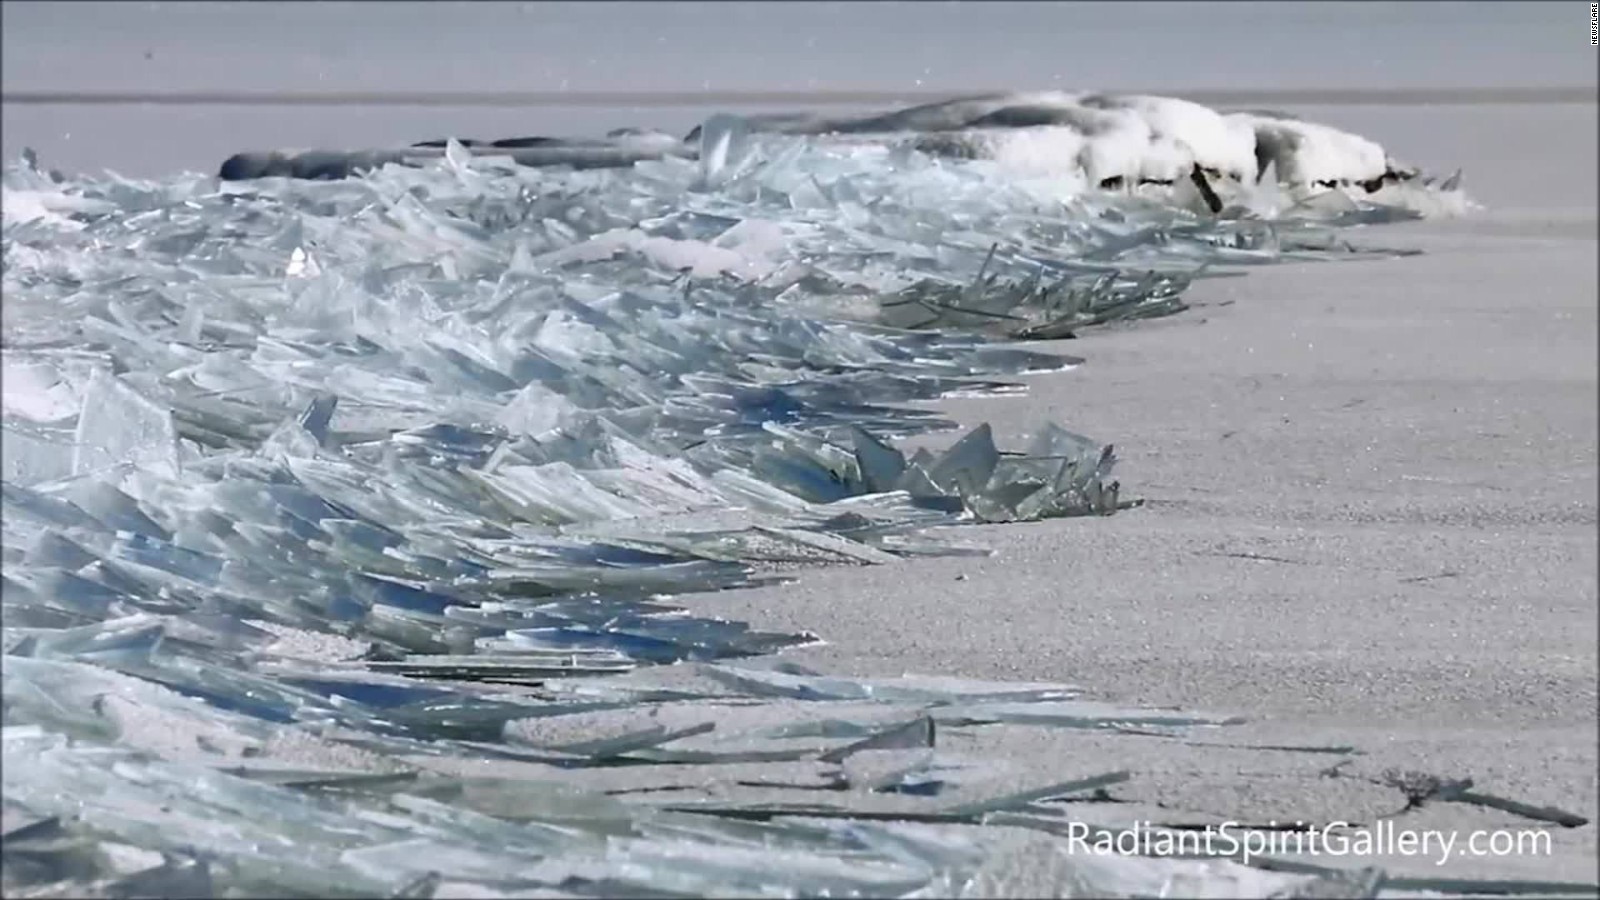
x=127 y=46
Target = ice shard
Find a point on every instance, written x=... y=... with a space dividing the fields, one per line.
x=349 y=524
x=118 y=426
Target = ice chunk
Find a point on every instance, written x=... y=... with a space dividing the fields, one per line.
x=30 y=455
x=904 y=689
x=34 y=390
x=534 y=410
x=1076 y=714
x=119 y=426
x=880 y=465
x=965 y=468
x=724 y=145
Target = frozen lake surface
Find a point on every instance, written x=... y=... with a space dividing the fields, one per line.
x=411 y=640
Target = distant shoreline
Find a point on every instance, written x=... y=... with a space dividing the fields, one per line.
x=1330 y=96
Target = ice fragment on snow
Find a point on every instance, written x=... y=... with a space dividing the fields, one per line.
x=119 y=426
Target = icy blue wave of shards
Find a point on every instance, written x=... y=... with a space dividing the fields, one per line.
x=467 y=424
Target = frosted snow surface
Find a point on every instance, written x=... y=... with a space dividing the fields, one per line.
x=318 y=494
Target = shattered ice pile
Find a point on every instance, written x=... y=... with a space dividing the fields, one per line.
x=1176 y=150
x=319 y=496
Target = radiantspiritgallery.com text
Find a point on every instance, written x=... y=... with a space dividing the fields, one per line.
x=1335 y=839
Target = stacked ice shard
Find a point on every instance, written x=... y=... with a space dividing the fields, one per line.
x=315 y=492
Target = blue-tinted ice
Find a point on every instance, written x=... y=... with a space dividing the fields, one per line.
x=342 y=520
